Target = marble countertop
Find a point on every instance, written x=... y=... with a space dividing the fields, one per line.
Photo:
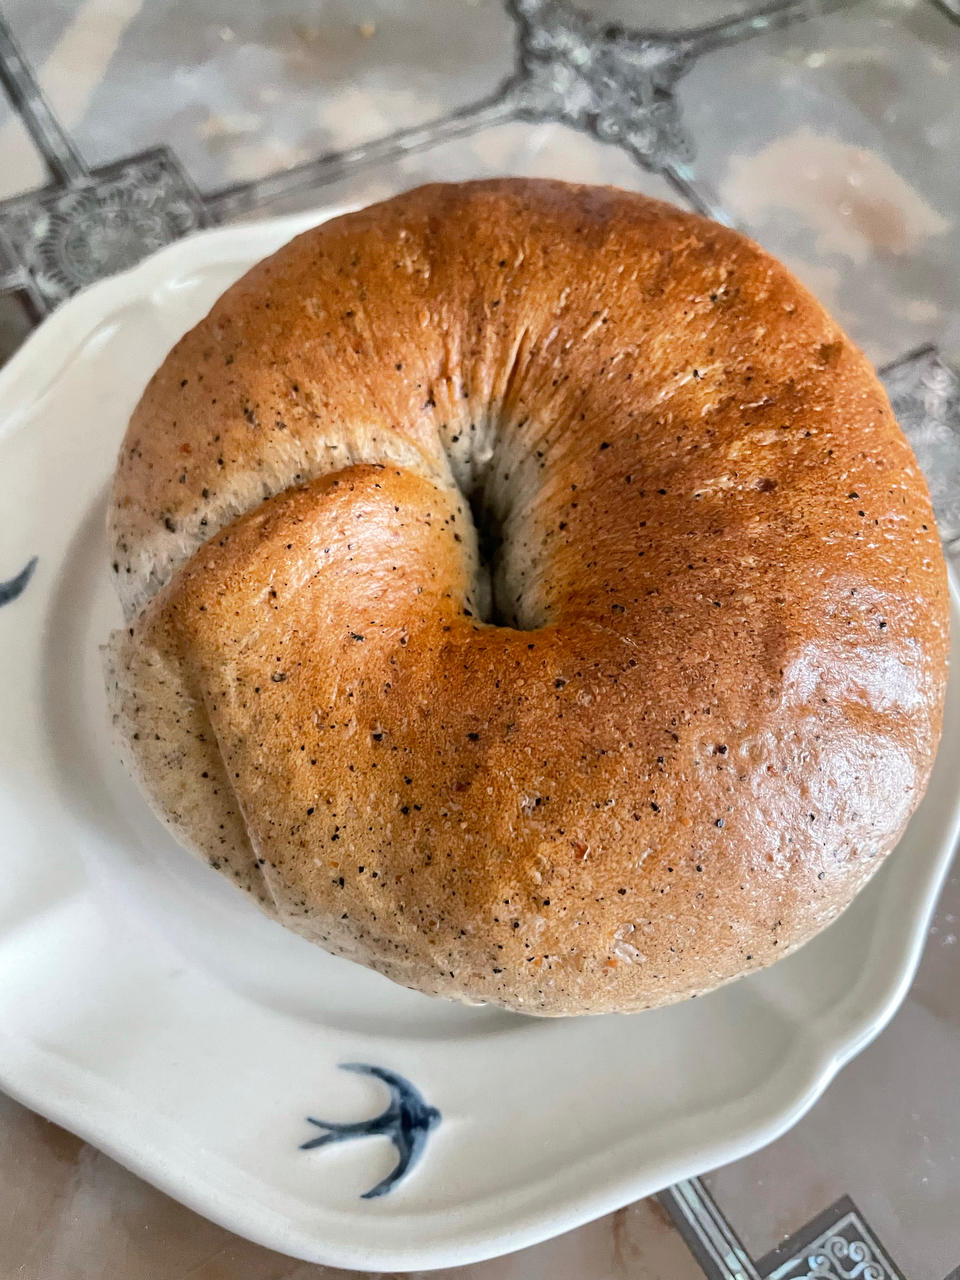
x=828 y=131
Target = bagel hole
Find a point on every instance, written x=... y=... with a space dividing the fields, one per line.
x=492 y=607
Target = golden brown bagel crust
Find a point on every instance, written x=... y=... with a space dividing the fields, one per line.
x=721 y=697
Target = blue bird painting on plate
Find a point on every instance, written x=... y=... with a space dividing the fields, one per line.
x=15 y=586
x=407 y=1122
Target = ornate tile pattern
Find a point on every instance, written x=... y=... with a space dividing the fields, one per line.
x=66 y=237
x=572 y=68
x=925 y=394
x=837 y=1245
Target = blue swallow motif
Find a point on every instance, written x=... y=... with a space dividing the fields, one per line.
x=15 y=586
x=407 y=1122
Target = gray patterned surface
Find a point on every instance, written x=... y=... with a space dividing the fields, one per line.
x=840 y=151
x=846 y=1249
x=71 y=236
x=925 y=394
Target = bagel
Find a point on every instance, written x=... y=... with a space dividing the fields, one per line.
x=530 y=595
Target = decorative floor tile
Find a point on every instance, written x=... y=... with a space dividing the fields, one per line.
x=22 y=168
x=670 y=15
x=925 y=394
x=516 y=148
x=242 y=91
x=838 y=1245
x=834 y=142
x=68 y=237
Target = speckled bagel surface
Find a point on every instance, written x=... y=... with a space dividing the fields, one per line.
x=529 y=595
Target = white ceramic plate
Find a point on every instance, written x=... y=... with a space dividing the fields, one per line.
x=148 y=1007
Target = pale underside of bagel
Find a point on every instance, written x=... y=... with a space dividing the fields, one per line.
x=530 y=595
